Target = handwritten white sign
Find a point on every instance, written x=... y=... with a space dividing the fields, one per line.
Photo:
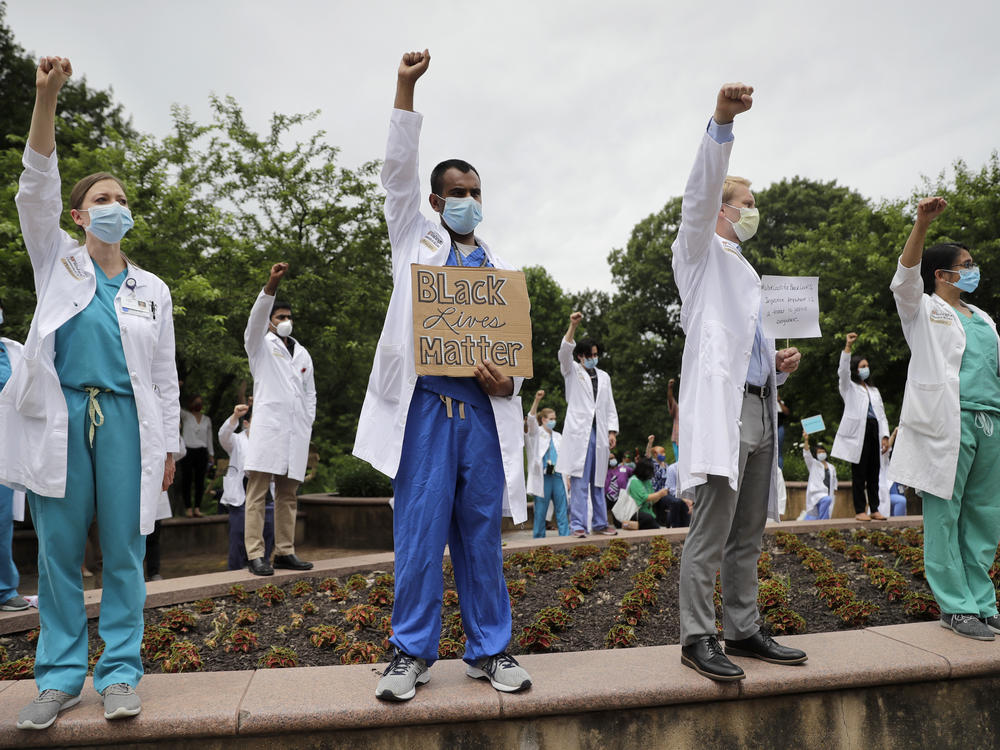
x=790 y=306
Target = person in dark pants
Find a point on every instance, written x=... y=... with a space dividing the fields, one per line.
x=196 y=429
x=863 y=434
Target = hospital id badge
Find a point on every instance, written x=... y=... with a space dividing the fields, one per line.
x=142 y=308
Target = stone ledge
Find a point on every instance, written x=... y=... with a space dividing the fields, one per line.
x=223 y=705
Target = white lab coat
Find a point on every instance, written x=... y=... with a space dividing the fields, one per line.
x=284 y=398
x=32 y=406
x=720 y=294
x=851 y=432
x=816 y=488
x=884 y=485
x=15 y=353
x=925 y=455
x=235 y=444
x=416 y=239
x=581 y=410
x=536 y=443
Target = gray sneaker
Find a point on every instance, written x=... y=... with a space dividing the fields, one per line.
x=41 y=712
x=400 y=679
x=993 y=622
x=120 y=701
x=503 y=672
x=969 y=626
x=14 y=604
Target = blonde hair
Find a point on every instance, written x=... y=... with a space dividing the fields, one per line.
x=543 y=412
x=729 y=186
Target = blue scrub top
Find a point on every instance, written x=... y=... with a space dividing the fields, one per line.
x=89 y=345
x=5 y=370
x=466 y=390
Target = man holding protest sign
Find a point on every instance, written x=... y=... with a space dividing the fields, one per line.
x=728 y=407
x=453 y=445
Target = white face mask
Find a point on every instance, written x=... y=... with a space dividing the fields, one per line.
x=284 y=328
x=746 y=226
x=821 y=456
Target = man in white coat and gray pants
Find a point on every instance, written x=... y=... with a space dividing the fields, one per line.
x=284 y=405
x=590 y=416
x=728 y=408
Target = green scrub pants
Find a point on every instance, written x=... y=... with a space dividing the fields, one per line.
x=104 y=478
x=961 y=534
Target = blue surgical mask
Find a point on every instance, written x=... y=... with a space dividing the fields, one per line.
x=968 y=279
x=109 y=223
x=462 y=215
x=864 y=372
x=590 y=363
x=661 y=457
x=613 y=462
x=630 y=464
x=551 y=424
x=821 y=456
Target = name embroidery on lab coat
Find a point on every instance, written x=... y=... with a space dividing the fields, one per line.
x=432 y=241
x=942 y=318
x=71 y=264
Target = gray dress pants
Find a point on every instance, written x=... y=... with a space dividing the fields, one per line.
x=725 y=534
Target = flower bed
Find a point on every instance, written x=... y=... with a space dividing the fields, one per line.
x=589 y=597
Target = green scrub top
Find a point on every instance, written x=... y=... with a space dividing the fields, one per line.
x=979 y=383
x=89 y=345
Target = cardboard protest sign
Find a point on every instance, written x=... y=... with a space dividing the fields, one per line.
x=813 y=424
x=790 y=306
x=462 y=316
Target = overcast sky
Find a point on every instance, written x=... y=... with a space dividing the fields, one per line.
x=582 y=117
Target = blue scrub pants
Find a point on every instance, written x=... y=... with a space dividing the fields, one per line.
x=8 y=572
x=449 y=489
x=555 y=490
x=237 y=545
x=578 y=487
x=104 y=478
x=822 y=510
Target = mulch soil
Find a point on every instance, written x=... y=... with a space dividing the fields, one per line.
x=285 y=625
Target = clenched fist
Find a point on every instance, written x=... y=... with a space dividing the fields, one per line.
x=733 y=99
x=52 y=73
x=413 y=65
x=930 y=208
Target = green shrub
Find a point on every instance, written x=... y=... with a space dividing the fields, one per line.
x=356 y=478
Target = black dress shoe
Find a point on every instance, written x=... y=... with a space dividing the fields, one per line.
x=706 y=658
x=764 y=647
x=259 y=567
x=291 y=562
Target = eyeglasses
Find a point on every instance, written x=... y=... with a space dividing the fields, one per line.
x=968 y=265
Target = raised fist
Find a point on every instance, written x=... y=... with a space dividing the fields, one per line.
x=851 y=338
x=575 y=318
x=671 y=383
x=733 y=99
x=241 y=410
x=539 y=395
x=278 y=270
x=413 y=65
x=52 y=73
x=930 y=208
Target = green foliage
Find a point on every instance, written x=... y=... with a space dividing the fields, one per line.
x=356 y=478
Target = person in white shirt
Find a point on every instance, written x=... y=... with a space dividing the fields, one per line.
x=728 y=407
x=821 y=488
x=454 y=446
x=542 y=442
x=234 y=437
x=284 y=403
x=196 y=430
x=590 y=431
x=863 y=434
